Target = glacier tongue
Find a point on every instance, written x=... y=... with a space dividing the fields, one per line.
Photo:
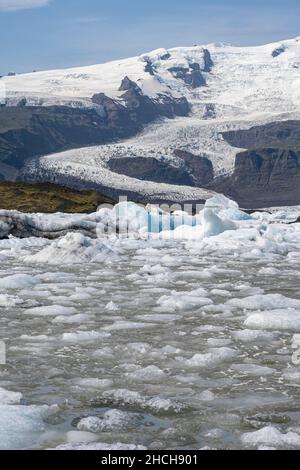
x=242 y=87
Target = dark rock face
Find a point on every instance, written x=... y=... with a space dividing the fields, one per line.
x=277 y=52
x=165 y=56
x=128 y=84
x=265 y=177
x=200 y=168
x=149 y=68
x=151 y=169
x=195 y=79
x=22 y=102
x=115 y=114
x=170 y=107
x=29 y=131
x=267 y=174
x=139 y=109
x=193 y=170
x=208 y=61
x=276 y=134
x=210 y=111
x=191 y=76
x=26 y=131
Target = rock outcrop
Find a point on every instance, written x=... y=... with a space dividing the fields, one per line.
x=28 y=131
x=275 y=134
x=191 y=76
x=141 y=109
x=268 y=173
x=189 y=169
x=200 y=168
x=278 y=51
x=208 y=62
x=265 y=177
x=151 y=169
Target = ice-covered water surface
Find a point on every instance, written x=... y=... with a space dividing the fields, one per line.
x=182 y=342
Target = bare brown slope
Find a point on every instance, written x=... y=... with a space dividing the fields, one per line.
x=48 y=198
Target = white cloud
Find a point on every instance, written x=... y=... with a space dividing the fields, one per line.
x=14 y=5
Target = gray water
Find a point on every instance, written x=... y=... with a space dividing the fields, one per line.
x=142 y=357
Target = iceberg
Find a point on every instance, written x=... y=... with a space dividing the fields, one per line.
x=20 y=425
x=73 y=248
x=216 y=217
x=219 y=214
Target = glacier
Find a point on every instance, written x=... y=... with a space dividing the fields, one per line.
x=242 y=87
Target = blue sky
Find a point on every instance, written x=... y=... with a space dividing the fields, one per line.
x=44 y=34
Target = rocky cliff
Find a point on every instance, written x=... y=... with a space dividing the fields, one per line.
x=28 y=131
x=268 y=173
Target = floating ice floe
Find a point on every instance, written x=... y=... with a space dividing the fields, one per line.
x=79 y=337
x=4 y=229
x=184 y=300
x=112 y=420
x=292 y=376
x=264 y=302
x=207 y=224
x=220 y=227
x=213 y=358
x=80 y=318
x=20 y=425
x=219 y=214
x=9 y=301
x=288 y=319
x=18 y=281
x=253 y=336
x=157 y=404
x=71 y=249
x=9 y=398
x=93 y=383
x=50 y=310
x=173 y=325
x=271 y=436
x=148 y=374
x=253 y=370
x=100 y=446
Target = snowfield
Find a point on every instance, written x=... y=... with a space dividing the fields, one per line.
x=246 y=86
x=178 y=332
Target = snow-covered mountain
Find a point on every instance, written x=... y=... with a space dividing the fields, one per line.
x=183 y=110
